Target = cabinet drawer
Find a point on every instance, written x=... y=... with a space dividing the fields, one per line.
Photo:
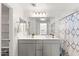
x=27 y=41
x=52 y=41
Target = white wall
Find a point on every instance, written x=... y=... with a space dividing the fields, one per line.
x=17 y=13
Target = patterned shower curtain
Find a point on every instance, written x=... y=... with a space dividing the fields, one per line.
x=69 y=32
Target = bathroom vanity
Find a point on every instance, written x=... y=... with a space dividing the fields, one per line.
x=39 y=47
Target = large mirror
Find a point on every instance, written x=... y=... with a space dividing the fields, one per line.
x=41 y=25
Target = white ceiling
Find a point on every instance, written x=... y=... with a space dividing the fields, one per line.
x=56 y=10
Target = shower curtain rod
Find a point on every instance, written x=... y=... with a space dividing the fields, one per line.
x=69 y=15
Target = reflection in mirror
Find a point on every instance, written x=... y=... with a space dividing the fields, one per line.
x=43 y=28
x=41 y=25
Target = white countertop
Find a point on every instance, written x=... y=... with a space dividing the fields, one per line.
x=38 y=37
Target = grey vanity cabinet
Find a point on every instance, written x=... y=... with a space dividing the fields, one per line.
x=38 y=48
x=51 y=48
x=26 y=48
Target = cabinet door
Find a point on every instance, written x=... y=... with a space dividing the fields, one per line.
x=26 y=49
x=50 y=48
x=38 y=47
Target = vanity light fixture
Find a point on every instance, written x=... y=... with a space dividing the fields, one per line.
x=39 y=13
